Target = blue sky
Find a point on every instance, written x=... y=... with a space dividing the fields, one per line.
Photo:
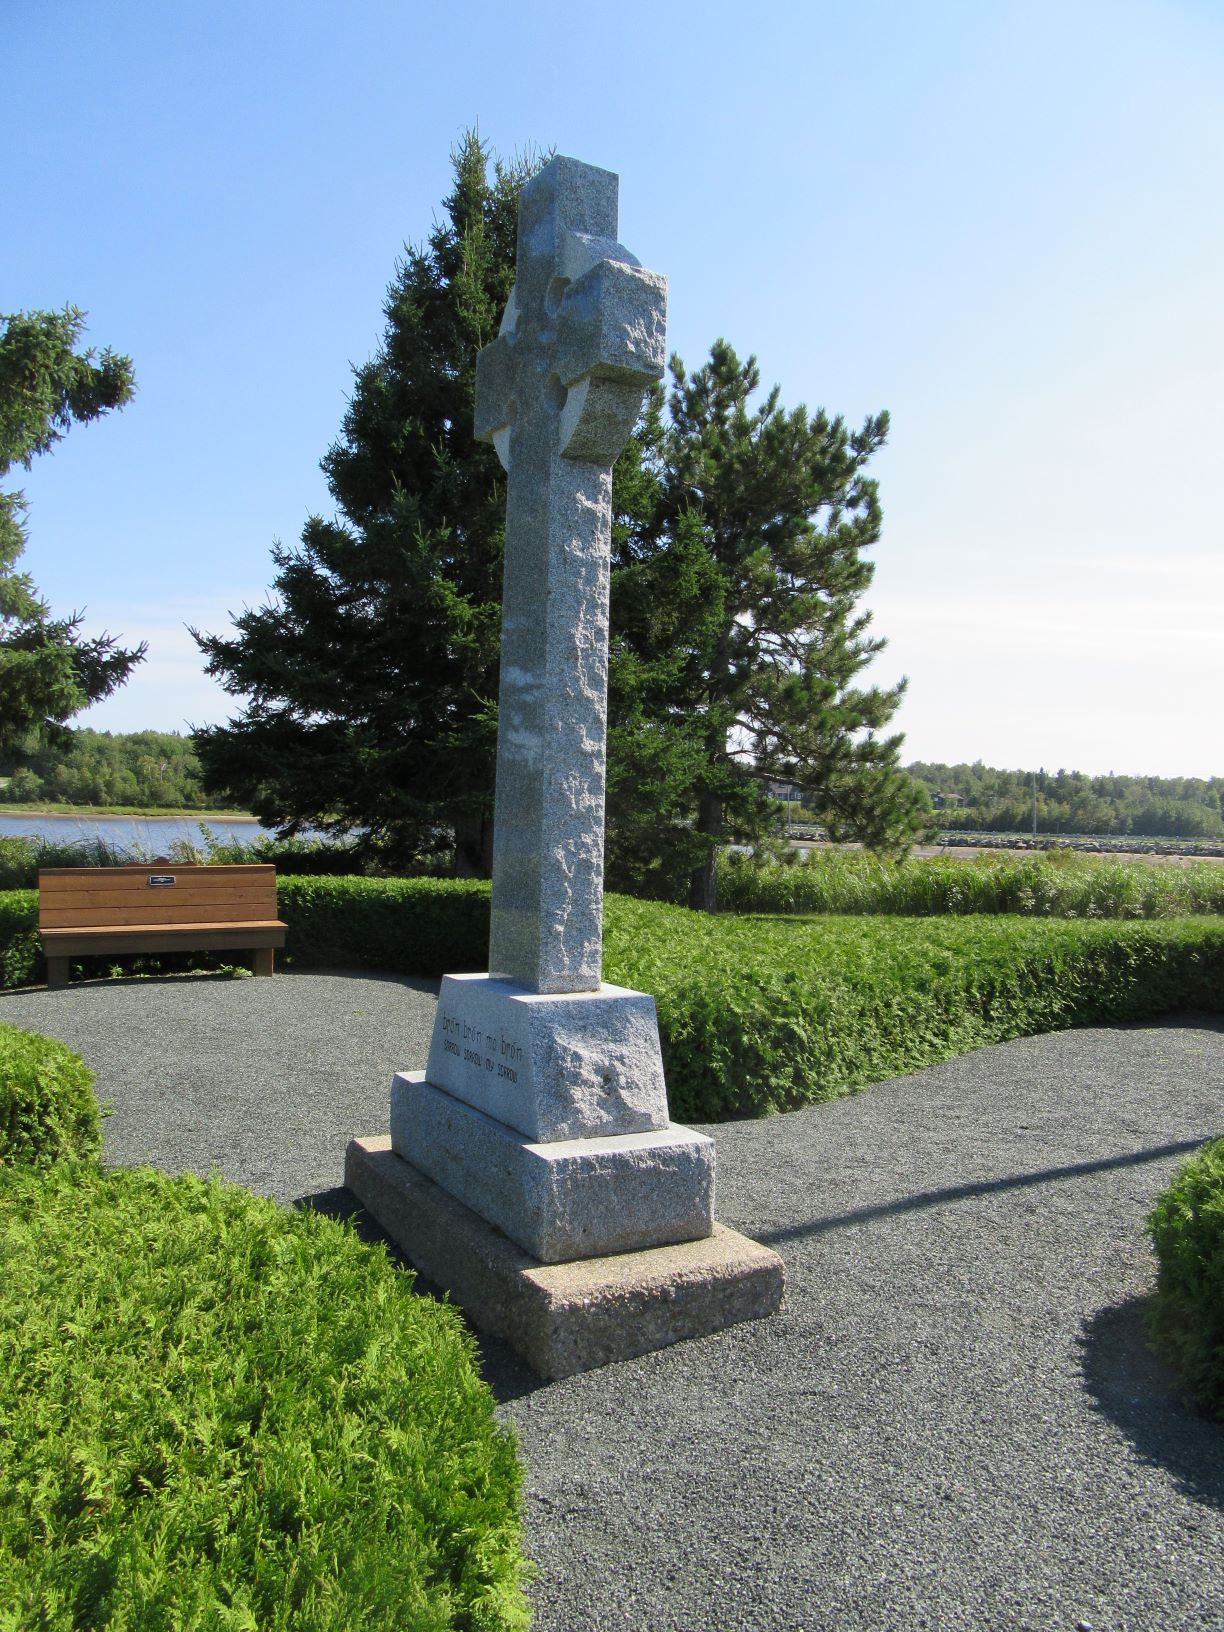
x=1002 y=223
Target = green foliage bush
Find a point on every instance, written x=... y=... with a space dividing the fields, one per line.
x=47 y=1107
x=21 y=959
x=412 y=926
x=220 y=1413
x=981 y=798
x=1057 y=884
x=767 y=1014
x=153 y=769
x=1186 y=1316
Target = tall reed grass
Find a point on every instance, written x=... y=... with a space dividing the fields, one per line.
x=21 y=857
x=1055 y=884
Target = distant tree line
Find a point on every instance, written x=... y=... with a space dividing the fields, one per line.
x=159 y=768
x=142 y=768
x=981 y=799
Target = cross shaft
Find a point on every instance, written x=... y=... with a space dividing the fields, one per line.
x=557 y=393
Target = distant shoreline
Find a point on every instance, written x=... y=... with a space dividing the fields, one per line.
x=138 y=812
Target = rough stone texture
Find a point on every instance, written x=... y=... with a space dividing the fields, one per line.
x=574 y=1198
x=556 y=393
x=572 y=1065
x=564 y=1318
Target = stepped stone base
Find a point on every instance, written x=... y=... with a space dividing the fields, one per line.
x=564 y=1199
x=568 y=1317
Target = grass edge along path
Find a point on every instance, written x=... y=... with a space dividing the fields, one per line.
x=216 y=1412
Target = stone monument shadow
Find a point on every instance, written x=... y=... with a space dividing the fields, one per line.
x=1141 y=1394
x=415 y=983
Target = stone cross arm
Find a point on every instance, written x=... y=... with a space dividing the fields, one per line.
x=582 y=336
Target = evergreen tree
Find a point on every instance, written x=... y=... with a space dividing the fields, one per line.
x=47 y=672
x=737 y=635
x=372 y=675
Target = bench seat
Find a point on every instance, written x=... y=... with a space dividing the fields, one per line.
x=157 y=907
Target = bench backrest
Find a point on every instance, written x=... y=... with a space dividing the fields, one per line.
x=155 y=892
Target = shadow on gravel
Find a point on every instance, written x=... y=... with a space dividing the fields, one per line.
x=1141 y=1395
x=966 y=1192
x=507 y=1375
x=417 y=983
x=1192 y=1020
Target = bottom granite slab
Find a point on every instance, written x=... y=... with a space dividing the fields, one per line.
x=563 y=1318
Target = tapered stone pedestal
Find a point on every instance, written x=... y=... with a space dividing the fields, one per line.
x=563 y=1318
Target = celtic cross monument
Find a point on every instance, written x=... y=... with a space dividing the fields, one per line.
x=532 y=1167
x=557 y=394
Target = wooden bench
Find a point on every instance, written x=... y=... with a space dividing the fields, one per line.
x=157 y=906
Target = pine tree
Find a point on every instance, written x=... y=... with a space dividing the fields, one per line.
x=372 y=674
x=737 y=635
x=47 y=673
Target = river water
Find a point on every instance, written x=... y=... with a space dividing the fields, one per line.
x=152 y=835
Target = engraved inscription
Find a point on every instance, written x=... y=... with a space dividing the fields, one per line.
x=499 y=1056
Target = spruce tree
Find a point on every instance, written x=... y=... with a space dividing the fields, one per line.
x=47 y=672
x=372 y=673
x=738 y=636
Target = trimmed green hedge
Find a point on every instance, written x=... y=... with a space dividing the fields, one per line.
x=21 y=959
x=766 y=1014
x=760 y=1014
x=218 y=1412
x=47 y=1105
x=413 y=926
x=1186 y=1316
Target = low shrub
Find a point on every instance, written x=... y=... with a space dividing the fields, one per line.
x=218 y=1412
x=411 y=926
x=288 y=856
x=1055 y=884
x=47 y=1105
x=1186 y=1315
x=21 y=959
x=18 y=869
x=767 y=1014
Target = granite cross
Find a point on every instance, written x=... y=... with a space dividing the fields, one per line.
x=557 y=393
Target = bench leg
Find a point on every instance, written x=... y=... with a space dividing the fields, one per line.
x=262 y=957
x=57 y=972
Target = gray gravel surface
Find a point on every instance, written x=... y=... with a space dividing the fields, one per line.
x=955 y=1421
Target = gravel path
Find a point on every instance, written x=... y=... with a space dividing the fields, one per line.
x=955 y=1421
